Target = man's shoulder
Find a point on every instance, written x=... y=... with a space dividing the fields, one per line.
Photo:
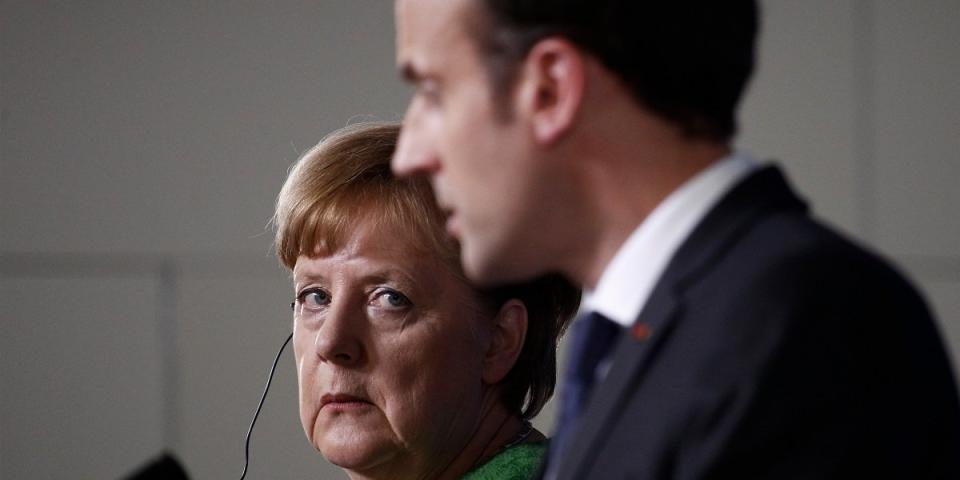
x=762 y=228
x=789 y=273
x=791 y=248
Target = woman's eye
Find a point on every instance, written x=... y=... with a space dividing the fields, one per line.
x=313 y=298
x=391 y=300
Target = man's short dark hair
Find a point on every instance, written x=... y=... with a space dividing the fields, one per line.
x=686 y=61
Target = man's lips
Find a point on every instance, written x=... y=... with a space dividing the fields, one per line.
x=452 y=224
x=342 y=401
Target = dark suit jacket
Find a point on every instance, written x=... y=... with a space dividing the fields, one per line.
x=777 y=349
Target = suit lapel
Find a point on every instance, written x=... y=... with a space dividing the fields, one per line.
x=606 y=402
x=763 y=192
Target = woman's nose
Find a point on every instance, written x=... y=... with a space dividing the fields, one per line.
x=338 y=339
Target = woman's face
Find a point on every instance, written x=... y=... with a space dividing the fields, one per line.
x=389 y=346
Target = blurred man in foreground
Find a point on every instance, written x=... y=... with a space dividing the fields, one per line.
x=727 y=334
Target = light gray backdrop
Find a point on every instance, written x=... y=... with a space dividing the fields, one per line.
x=142 y=145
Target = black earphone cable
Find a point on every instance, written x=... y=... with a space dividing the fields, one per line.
x=273 y=369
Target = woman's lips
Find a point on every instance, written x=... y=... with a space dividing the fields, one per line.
x=343 y=402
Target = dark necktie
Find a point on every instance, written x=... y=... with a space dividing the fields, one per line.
x=591 y=340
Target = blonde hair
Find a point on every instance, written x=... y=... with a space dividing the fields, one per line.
x=347 y=176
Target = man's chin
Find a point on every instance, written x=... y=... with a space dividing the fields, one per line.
x=485 y=269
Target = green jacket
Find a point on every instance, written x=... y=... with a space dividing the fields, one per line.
x=516 y=463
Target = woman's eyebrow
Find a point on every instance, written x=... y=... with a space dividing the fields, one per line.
x=300 y=278
x=391 y=274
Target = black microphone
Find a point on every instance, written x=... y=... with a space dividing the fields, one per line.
x=273 y=369
x=164 y=466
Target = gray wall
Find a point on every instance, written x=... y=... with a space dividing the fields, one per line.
x=142 y=145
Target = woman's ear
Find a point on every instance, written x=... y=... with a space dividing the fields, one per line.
x=506 y=341
x=552 y=88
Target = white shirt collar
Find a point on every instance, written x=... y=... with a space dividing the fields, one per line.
x=629 y=278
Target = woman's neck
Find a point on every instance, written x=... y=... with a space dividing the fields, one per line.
x=496 y=428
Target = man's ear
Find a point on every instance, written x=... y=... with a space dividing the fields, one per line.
x=551 y=92
x=506 y=341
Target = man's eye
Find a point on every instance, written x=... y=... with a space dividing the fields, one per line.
x=390 y=300
x=313 y=298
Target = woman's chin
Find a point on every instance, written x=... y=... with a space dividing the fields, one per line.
x=355 y=451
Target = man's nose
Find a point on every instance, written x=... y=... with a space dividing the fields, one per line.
x=414 y=154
